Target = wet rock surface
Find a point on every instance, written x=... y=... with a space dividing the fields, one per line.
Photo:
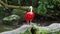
x=55 y=27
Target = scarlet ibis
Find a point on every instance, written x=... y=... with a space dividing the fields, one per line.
x=29 y=15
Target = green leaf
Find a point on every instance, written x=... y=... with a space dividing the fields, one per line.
x=42 y=9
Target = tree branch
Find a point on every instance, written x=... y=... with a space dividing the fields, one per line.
x=12 y=6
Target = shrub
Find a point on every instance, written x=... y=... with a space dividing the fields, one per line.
x=13 y=19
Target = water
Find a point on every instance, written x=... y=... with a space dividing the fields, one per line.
x=16 y=31
x=53 y=28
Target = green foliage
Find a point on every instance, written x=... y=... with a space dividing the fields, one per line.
x=10 y=19
x=49 y=8
x=42 y=7
x=39 y=30
x=56 y=0
x=12 y=2
x=19 y=12
x=2 y=11
x=27 y=31
x=42 y=10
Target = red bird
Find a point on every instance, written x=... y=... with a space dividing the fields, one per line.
x=29 y=15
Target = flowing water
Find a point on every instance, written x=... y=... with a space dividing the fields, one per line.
x=16 y=31
x=52 y=28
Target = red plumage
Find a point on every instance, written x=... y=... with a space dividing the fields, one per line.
x=29 y=16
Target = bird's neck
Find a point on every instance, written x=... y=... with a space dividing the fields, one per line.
x=31 y=10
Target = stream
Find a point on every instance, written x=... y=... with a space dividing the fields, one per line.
x=52 y=28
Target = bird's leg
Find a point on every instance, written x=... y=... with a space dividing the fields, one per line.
x=29 y=22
